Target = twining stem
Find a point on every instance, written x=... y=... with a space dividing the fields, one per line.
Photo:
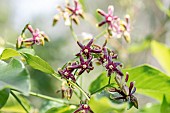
x=50 y=98
x=101 y=34
x=19 y=101
x=75 y=85
x=73 y=33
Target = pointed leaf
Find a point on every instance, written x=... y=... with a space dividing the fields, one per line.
x=14 y=75
x=162 y=54
x=4 y=94
x=8 y=53
x=100 y=83
x=104 y=105
x=149 y=81
x=165 y=107
x=38 y=63
x=63 y=109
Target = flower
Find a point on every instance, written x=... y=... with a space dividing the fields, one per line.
x=125 y=91
x=83 y=66
x=87 y=49
x=38 y=37
x=112 y=67
x=67 y=72
x=69 y=13
x=84 y=108
x=109 y=17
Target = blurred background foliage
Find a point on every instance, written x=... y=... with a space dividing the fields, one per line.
x=150 y=20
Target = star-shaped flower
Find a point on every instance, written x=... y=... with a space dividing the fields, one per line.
x=109 y=17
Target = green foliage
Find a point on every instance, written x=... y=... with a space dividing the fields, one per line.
x=12 y=106
x=100 y=83
x=150 y=81
x=151 y=109
x=162 y=54
x=15 y=76
x=104 y=105
x=8 y=53
x=4 y=94
x=63 y=109
x=38 y=63
x=165 y=107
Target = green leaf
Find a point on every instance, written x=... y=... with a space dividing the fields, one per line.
x=27 y=50
x=8 y=53
x=104 y=105
x=38 y=63
x=149 y=81
x=100 y=83
x=165 y=107
x=63 y=109
x=4 y=94
x=12 y=106
x=14 y=75
x=162 y=54
x=150 y=108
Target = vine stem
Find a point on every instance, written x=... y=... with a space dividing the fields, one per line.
x=74 y=84
x=51 y=98
x=101 y=34
x=73 y=33
x=19 y=101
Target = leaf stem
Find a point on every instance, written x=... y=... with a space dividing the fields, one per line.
x=19 y=101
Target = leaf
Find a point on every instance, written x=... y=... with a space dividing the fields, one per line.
x=8 y=53
x=27 y=50
x=14 y=75
x=150 y=108
x=104 y=105
x=165 y=107
x=12 y=106
x=149 y=81
x=63 y=109
x=99 y=83
x=162 y=54
x=38 y=63
x=4 y=94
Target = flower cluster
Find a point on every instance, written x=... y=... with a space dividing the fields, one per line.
x=116 y=27
x=38 y=38
x=69 y=13
x=125 y=91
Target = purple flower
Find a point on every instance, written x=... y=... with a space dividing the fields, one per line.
x=112 y=67
x=87 y=49
x=109 y=17
x=125 y=91
x=84 y=65
x=84 y=108
x=66 y=73
x=75 y=11
x=38 y=37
